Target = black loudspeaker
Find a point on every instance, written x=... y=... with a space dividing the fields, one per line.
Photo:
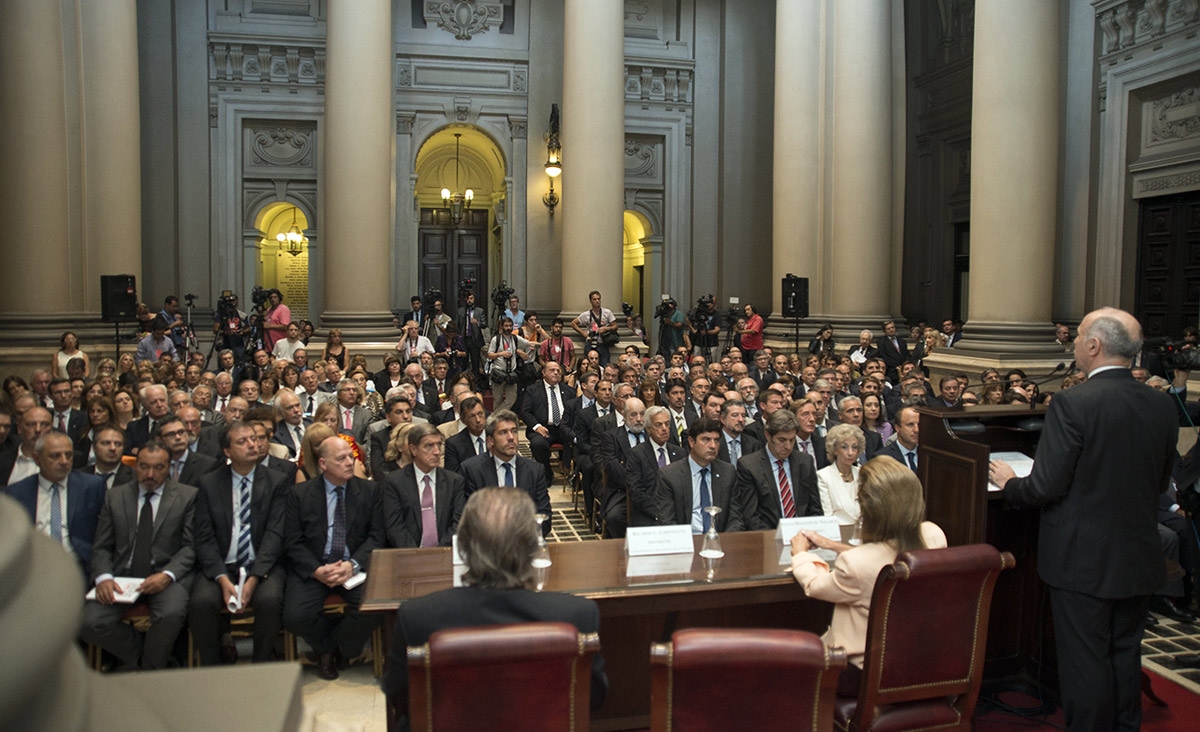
x=795 y=297
x=118 y=298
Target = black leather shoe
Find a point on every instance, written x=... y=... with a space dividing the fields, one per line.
x=1150 y=620
x=327 y=666
x=1163 y=606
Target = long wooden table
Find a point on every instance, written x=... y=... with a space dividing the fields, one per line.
x=750 y=586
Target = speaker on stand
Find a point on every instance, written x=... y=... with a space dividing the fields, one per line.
x=118 y=303
x=795 y=303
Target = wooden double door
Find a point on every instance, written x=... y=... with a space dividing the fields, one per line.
x=1168 y=268
x=450 y=254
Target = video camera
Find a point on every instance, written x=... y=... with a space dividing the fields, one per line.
x=627 y=309
x=666 y=308
x=260 y=297
x=432 y=295
x=501 y=293
x=1175 y=355
x=227 y=305
x=465 y=287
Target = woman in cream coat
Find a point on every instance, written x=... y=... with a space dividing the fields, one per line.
x=892 y=506
x=837 y=482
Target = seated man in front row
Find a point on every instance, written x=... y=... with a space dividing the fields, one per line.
x=686 y=487
x=497 y=537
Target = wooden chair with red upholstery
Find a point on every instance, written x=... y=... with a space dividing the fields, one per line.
x=526 y=676
x=717 y=679
x=925 y=641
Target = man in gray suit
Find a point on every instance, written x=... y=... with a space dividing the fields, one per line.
x=778 y=481
x=353 y=419
x=687 y=486
x=423 y=502
x=144 y=530
x=502 y=466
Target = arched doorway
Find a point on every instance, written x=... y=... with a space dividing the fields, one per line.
x=283 y=252
x=458 y=246
x=636 y=230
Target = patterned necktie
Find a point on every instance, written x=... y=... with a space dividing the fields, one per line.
x=175 y=470
x=735 y=451
x=680 y=426
x=142 y=566
x=244 y=536
x=221 y=406
x=508 y=475
x=429 y=535
x=705 y=499
x=478 y=445
x=346 y=419
x=337 y=542
x=662 y=457
x=298 y=436
x=555 y=412
x=56 y=513
x=62 y=422
x=785 y=493
x=804 y=447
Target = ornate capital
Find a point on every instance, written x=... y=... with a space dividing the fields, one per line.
x=518 y=127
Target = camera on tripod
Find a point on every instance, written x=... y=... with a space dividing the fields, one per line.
x=432 y=295
x=627 y=309
x=260 y=296
x=501 y=293
x=227 y=305
x=666 y=308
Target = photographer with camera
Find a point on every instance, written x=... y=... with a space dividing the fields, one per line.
x=232 y=326
x=601 y=325
x=506 y=353
x=473 y=328
x=436 y=320
x=672 y=327
x=706 y=325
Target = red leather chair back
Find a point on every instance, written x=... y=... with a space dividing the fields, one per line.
x=761 y=680
x=925 y=640
x=526 y=676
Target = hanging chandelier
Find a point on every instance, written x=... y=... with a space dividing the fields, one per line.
x=456 y=202
x=294 y=239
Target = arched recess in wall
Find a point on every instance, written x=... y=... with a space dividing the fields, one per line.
x=637 y=229
x=283 y=264
x=450 y=252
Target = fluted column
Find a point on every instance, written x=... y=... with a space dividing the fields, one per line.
x=593 y=143
x=861 y=217
x=1014 y=174
x=796 y=174
x=359 y=139
x=35 y=171
x=111 y=150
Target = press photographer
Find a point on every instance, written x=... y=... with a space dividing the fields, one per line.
x=232 y=327
x=706 y=327
x=672 y=327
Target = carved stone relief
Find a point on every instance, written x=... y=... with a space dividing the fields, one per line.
x=464 y=18
x=643 y=160
x=1176 y=116
x=281 y=147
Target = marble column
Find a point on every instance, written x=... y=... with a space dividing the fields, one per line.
x=35 y=163
x=359 y=138
x=111 y=150
x=796 y=173
x=861 y=135
x=593 y=142
x=1014 y=175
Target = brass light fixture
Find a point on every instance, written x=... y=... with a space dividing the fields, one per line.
x=456 y=202
x=553 y=159
x=293 y=238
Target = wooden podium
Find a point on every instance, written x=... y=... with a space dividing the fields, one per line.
x=953 y=456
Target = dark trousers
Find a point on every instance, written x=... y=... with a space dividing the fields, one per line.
x=587 y=474
x=1099 y=659
x=102 y=627
x=207 y=613
x=303 y=599
x=539 y=447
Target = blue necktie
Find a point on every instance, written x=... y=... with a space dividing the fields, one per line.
x=55 y=513
x=705 y=499
x=243 y=542
x=508 y=475
x=912 y=460
x=337 y=542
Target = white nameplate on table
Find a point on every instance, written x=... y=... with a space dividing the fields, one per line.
x=1021 y=464
x=642 y=541
x=128 y=587
x=458 y=560
x=826 y=526
x=658 y=565
x=355 y=580
x=235 y=600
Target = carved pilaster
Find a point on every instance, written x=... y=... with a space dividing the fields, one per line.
x=518 y=127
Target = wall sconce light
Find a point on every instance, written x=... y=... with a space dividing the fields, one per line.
x=455 y=202
x=553 y=159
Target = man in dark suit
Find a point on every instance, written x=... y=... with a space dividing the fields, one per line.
x=289 y=430
x=850 y=411
x=63 y=505
x=949 y=391
x=470 y=441
x=1105 y=454
x=583 y=416
x=892 y=349
x=613 y=456
x=808 y=442
x=693 y=408
x=71 y=422
x=542 y=411
x=332 y=524
x=396 y=409
x=239 y=523
x=687 y=486
x=778 y=482
x=22 y=462
x=186 y=467
x=735 y=443
x=108 y=447
x=156 y=408
x=352 y=418
x=203 y=439
x=496 y=539
x=263 y=422
x=769 y=400
x=502 y=466
x=641 y=472
x=145 y=530
x=422 y=502
x=762 y=373
x=903 y=449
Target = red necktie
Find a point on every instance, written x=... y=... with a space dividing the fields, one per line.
x=785 y=492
